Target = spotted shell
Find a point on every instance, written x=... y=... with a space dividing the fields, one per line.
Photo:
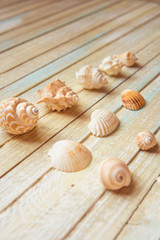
x=58 y=96
x=146 y=140
x=114 y=174
x=103 y=122
x=111 y=66
x=127 y=58
x=132 y=100
x=69 y=156
x=17 y=116
x=91 y=78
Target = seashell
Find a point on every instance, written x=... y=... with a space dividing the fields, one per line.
x=103 y=122
x=127 y=58
x=132 y=100
x=17 y=116
x=69 y=156
x=146 y=140
x=91 y=78
x=110 y=66
x=58 y=96
x=114 y=174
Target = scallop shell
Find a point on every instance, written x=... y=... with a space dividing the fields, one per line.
x=91 y=78
x=132 y=100
x=17 y=116
x=103 y=122
x=58 y=96
x=114 y=174
x=69 y=156
x=127 y=58
x=110 y=66
x=146 y=140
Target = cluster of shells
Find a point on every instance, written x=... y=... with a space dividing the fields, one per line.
x=18 y=116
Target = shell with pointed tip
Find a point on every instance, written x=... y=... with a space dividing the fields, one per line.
x=69 y=156
x=132 y=100
x=111 y=66
x=91 y=78
x=146 y=140
x=103 y=122
x=17 y=116
x=127 y=58
x=114 y=174
x=58 y=96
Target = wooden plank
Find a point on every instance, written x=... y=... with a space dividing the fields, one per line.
x=30 y=169
x=134 y=41
x=5 y=3
x=144 y=224
x=65 y=211
x=21 y=7
x=48 y=63
x=59 y=36
x=36 y=15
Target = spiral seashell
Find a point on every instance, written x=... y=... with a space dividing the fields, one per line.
x=91 y=78
x=17 y=116
x=69 y=156
x=146 y=140
x=58 y=96
x=127 y=58
x=132 y=100
x=114 y=174
x=111 y=66
x=103 y=122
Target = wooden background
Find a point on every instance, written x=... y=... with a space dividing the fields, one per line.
x=40 y=41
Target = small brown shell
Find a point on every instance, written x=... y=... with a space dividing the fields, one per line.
x=146 y=140
x=58 y=96
x=103 y=122
x=69 y=156
x=91 y=78
x=127 y=58
x=17 y=116
x=114 y=174
x=111 y=66
x=132 y=100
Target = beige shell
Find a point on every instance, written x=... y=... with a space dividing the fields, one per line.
x=17 y=116
x=69 y=156
x=146 y=140
x=114 y=174
x=110 y=66
x=58 y=96
x=127 y=58
x=91 y=78
x=132 y=100
x=103 y=122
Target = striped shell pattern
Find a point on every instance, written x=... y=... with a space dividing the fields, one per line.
x=17 y=116
x=132 y=100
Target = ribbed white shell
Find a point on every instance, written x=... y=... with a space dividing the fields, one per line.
x=127 y=58
x=103 y=122
x=69 y=156
x=91 y=78
x=110 y=66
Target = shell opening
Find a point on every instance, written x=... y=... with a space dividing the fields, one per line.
x=31 y=111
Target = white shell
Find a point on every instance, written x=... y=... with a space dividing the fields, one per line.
x=91 y=78
x=114 y=174
x=111 y=66
x=103 y=122
x=69 y=156
x=146 y=140
x=127 y=58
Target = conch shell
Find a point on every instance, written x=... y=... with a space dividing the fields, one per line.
x=132 y=100
x=111 y=66
x=127 y=58
x=146 y=140
x=103 y=122
x=91 y=78
x=58 y=96
x=17 y=116
x=114 y=174
x=69 y=156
